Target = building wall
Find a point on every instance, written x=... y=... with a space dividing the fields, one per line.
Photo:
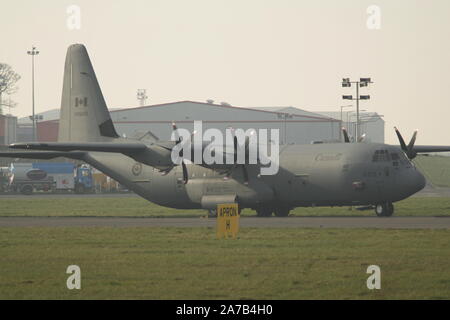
x=47 y=130
x=8 y=127
x=296 y=129
x=25 y=133
x=135 y=122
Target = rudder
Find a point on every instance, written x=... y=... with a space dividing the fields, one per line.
x=84 y=114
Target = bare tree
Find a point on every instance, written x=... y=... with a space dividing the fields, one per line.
x=8 y=81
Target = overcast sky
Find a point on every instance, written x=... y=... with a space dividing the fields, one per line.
x=249 y=53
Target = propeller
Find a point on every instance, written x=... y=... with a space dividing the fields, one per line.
x=178 y=140
x=247 y=156
x=177 y=135
x=346 y=137
x=362 y=138
x=407 y=149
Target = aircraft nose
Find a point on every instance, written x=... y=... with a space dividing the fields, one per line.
x=414 y=181
x=420 y=180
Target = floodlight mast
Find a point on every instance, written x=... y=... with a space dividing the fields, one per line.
x=363 y=82
x=33 y=52
x=142 y=96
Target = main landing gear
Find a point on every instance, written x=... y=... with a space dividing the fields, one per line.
x=268 y=211
x=385 y=209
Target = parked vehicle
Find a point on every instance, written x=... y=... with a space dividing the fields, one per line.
x=27 y=178
x=4 y=178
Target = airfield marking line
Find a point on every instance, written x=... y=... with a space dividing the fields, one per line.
x=246 y=222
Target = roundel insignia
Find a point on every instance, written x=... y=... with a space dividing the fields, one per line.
x=137 y=168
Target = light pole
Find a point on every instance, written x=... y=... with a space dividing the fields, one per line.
x=142 y=96
x=285 y=116
x=363 y=82
x=33 y=53
x=2 y=84
x=350 y=115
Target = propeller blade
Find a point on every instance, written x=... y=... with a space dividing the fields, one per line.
x=411 y=153
x=245 y=173
x=346 y=137
x=361 y=138
x=408 y=149
x=235 y=144
x=185 y=172
x=177 y=136
x=400 y=139
x=413 y=140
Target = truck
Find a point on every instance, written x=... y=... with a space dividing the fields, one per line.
x=4 y=179
x=27 y=178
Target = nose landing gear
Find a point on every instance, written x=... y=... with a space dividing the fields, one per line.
x=385 y=209
x=264 y=212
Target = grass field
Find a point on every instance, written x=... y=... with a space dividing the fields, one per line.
x=171 y=263
x=435 y=168
x=189 y=263
x=138 y=207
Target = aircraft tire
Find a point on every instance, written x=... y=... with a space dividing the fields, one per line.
x=212 y=213
x=264 y=212
x=385 y=209
x=26 y=189
x=282 y=212
x=390 y=210
x=79 y=189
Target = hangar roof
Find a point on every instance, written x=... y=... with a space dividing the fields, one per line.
x=293 y=110
x=364 y=114
x=207 y=110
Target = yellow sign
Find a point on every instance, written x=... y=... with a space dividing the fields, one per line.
x=227 y=220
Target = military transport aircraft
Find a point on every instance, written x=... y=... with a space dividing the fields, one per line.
x=333 y=174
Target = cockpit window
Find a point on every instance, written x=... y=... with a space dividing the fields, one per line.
x=381 y=156
x=400 y=158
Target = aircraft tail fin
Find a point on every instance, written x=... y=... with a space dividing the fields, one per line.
x=84 y=114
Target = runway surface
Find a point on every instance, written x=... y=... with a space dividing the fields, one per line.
x=246 y=222
x=428 y=191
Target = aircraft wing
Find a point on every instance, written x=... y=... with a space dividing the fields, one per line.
x=426 y=149
x=42 y=155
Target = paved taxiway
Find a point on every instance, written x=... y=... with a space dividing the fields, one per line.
x=428 y=191
x=246 y=222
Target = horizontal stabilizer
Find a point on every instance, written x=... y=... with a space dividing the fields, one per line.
x=42 y=155
x=126 y=148
x=153 y=155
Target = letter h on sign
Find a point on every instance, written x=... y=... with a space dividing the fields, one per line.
x=81 y=102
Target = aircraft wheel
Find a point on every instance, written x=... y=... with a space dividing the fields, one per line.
x=79 y=189
x=27 y=189
x=264 y=212
x=390 y=210
x=282 y=212
x=212 y=213
x=384 y=209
